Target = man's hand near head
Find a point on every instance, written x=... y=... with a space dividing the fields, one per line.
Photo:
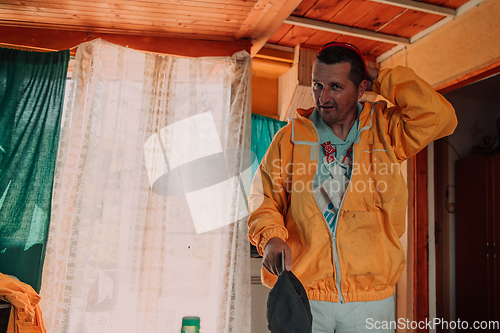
x=371 y=75
x=272 y=256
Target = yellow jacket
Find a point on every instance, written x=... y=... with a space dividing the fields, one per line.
x=25 y=313
x=365 y=249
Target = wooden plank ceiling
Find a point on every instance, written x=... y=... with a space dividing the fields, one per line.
x=374 y=26
x=219 y=20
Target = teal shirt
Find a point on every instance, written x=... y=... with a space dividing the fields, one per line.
x=325 y=134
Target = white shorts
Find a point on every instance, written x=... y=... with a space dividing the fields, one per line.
x=352 y=317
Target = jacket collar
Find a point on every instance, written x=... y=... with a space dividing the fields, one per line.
x=303 y=130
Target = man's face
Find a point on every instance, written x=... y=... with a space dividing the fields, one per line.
x=334 y=93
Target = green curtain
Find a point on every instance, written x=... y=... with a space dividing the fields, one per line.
x=263 y=131
x=32 y=88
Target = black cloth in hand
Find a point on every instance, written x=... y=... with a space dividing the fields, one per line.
x=288 y=309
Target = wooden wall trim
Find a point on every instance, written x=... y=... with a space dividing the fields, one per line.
x=57 y=40
x=405 y=286
x=442 y=230
x=470 y=78
x=421 y=225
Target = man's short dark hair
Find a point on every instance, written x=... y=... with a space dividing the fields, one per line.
x=337 y=54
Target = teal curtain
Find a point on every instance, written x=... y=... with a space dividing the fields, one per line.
x=263 y=131
x=32 y=88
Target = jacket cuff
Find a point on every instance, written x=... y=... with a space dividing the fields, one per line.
x=277 y=232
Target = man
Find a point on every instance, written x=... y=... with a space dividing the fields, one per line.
x=329 y=192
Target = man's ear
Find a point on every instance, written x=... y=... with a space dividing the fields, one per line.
x=362 y=88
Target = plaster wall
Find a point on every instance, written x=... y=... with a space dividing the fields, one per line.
x=464 y=45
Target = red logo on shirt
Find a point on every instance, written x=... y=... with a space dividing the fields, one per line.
x=329 y=151
x=329 y=148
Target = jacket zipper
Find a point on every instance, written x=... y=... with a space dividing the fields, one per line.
x=334 y=236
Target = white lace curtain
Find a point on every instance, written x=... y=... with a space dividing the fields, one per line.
x=138 y=240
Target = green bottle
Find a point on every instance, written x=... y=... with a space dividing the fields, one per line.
x=190 y=324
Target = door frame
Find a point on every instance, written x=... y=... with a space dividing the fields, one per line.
x=441 y=202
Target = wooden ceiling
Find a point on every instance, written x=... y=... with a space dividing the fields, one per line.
x=375 y=26
x=214 y=20
x=219 y=20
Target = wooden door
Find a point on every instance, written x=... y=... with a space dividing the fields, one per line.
x=495 y=239
x=473 y=205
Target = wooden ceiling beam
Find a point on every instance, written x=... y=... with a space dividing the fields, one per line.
x=275 y=55
x=345 y=30
x=268 y=20
x=56 y=40
x=420 y=6
x=258 y=11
